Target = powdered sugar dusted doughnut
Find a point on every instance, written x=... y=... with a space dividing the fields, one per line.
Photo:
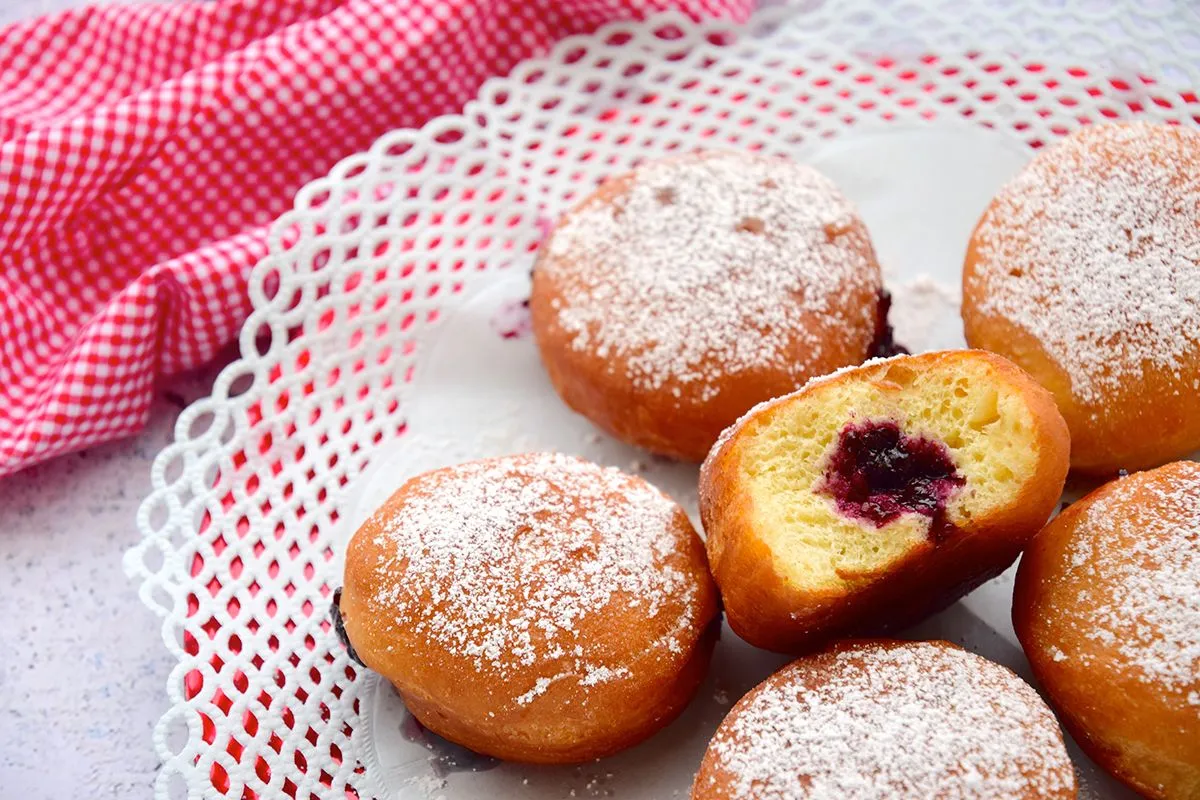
x=1107 y=607
x=1085 y=270
x=887 y=719
x=681 y=294
x=535 y=608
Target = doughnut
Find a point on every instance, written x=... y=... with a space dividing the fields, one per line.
x=878 y=495
x=1107 y=609
x=1085 y=271
x=679 y=295
x=535 y=608
x=887 y=719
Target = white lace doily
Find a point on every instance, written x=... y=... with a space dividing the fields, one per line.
x=243 y=527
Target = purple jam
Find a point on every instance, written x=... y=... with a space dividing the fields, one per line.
x=884 y=345
x=512 y=320
x=878 y=473
x=339 y=626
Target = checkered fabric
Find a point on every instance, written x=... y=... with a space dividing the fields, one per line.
x=145 y=150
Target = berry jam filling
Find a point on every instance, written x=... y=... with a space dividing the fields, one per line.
x=884 y=345
x=339 y=626
x=878 y=473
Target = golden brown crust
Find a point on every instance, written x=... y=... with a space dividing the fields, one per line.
x=1074 y=611
x=550 y=656
x=1147 y=422
x=1141 y=412
x=887 y=718
x=675 y=414
x=766 y=609
x=544 y=736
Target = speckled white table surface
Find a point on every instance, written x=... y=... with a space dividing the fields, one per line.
x=83 y=668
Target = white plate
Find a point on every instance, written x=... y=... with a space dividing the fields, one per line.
x=478 y=393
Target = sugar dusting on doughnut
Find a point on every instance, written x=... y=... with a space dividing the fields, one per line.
x=1094 y=249
x=917 y=720
x=1155 y=626
x=493 y=574
x=711 y=262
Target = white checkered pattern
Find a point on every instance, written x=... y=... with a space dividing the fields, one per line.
x=144 y=150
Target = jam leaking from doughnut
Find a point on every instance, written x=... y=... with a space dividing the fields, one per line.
x=512 y=320
x=339 y=626
x=877 y=473
x=884 y=344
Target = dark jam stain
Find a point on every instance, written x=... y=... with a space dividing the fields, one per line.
x=445 y=756
x=885 y=344
x=339 y=626
x=175 y=399
x=545 y=226
x=878 y=473
x=512 y=321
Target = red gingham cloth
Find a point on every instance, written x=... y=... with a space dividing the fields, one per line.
x=144 y=151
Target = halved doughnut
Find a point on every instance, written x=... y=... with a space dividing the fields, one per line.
x=878 y=494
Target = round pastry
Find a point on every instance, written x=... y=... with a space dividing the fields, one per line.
x=886 y=719
x=679 y=295
x=1107 y=607
x=534 y=608
x=877 y=495
x=1085 y=271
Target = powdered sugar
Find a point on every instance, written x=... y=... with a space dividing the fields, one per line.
x=1094 y=249
x=1152 y=563
x=917 y=720
x=706 y=267
x=922 y=310
x=837 y=373
x=428 y=786
x=501 y=560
